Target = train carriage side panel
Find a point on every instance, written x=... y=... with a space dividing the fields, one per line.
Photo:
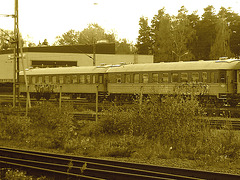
x=72 y=80
x=238 y=81
x=216 y=77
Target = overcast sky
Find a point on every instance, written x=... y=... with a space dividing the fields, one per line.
x=46 y=19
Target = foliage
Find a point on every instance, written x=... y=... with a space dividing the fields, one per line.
x=172 y=119
x=182 y=34
x=144 y=42
x=51 y=125
x=164 y=128
x=68 y=38
x=44 y=43
x=6 y=39
x=89 y=35
x=14 y=127
x=221 y=47
x=159 y=127
x=9 y=174
x=123 y=47
x=94 y=33
x=190 y=37
x=161 y=36
x=45 y=126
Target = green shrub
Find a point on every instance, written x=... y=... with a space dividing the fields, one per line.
x=50 y=125
x=10 y=174
x=14 y=127
x=174 y=120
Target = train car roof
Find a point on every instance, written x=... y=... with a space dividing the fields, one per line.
x=66 y=70
x=179 y=66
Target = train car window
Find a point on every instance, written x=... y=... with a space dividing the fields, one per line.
x=214 y=77
x=33 y=80
x=46 y=79
x=54 y=79
x=40 y=79
x=61 y=79
x=50 y=79
x=165 y=77
x=195 y=77
x=100 y=79
x=88 y=79
x=94 y=79
x=127 y=78
x=204 y=77
x=145 y=78
x=67 y=79
x=119 y=79
x=81 y=79
x=74 y=79
x=155 y=77
x=174 y=77
x=136 y=78
x=184 y=77
x=222 y=76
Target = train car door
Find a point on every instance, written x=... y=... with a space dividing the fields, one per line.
x=235 y=81
x=230 y=77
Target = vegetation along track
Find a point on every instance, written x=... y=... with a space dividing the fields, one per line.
x=60 y=166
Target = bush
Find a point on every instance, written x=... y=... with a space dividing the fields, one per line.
x=9 y=174
x=52 y=127
x=174 y=120
x=14 y=127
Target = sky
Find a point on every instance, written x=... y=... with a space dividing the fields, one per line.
x=46 y=19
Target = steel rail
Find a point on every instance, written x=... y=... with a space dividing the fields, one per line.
x=93 y=169
x=106 y=169
x=37 y=171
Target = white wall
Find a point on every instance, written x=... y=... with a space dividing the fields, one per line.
x=6 y=65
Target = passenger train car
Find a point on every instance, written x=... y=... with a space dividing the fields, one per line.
x=73 y=81
x=213 y=81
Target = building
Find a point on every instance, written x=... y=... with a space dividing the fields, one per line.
x=76 y=55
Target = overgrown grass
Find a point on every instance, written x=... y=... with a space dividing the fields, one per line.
x=11 y=174
x=45 y=126
x=159 y=128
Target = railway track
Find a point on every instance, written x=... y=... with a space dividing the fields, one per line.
x=214 y=122
x=60 y=166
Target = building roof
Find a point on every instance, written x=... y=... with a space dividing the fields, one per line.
x=101 y=48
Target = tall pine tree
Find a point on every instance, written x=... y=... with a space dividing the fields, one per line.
x=221 y=47
x=144 y=41
x=206 y=33
x=182 y=34
x=162 y=37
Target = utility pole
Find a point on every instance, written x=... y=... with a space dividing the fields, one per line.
x=16 y=54
x=94 y=53
x=16 y=57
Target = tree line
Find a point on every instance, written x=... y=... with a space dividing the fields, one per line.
x=190 y=37
x=168 y=38
x=91 y=35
